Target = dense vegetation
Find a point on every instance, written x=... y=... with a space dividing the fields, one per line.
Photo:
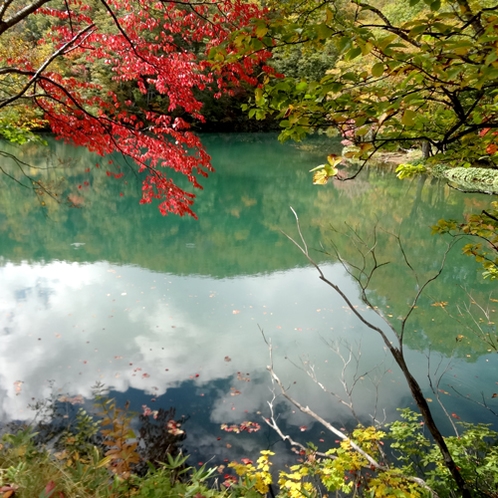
x=102 y=456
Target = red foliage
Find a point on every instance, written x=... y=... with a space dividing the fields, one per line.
x=144 y=50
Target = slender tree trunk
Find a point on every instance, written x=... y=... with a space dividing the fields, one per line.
x=426 y=149
x=421 y=402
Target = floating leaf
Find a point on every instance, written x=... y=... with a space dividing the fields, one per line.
x=440 y=304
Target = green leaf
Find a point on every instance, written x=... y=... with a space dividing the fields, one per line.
x=378 y=70
x=323 y=31
x=302 y=86
x=491 y=57
x=261 y=30
x=353 y=53
x=416 y=30
x=435 y=5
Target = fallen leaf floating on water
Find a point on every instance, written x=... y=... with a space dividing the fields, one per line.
x=235 y=312
x=246 y=426
x=227 y=358
x=440 y=304
x=174 y=428
x=75 y=400
x=240 y=376
x=495 y=395
x=146 y=412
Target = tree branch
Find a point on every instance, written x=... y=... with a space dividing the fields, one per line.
x=397 y=354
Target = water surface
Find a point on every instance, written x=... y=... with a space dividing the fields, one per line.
x=169 y=311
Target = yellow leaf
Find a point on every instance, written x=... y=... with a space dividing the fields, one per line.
x=408 y=118
x=334 y=160
x=320 y=177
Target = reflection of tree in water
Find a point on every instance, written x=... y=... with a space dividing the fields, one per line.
x=159 y=435
x=242 y=210
x=352 y=189
x=61 y=423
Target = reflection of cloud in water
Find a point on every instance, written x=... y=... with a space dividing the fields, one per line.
x=127 y=327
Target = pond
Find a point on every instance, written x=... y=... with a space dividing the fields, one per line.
x=169 y=312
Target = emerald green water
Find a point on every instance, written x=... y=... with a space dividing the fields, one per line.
x=168 y=311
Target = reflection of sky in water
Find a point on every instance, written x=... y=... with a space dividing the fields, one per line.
x=193 y=342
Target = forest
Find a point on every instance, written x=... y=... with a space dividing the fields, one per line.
x=413 y=81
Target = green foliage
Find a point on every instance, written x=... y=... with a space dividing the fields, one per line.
x=299 y=62
x=91 y=457
x=15 y=134
x=420 y=72
x=482 y=226
x=408 y=170
x=474 y=451
x=411 y=466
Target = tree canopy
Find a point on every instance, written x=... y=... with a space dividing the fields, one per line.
x=79 y=68
x=406 y=74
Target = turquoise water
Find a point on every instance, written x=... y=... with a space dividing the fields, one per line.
x=168 y=311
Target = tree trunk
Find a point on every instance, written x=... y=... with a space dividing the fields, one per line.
x=421 y=402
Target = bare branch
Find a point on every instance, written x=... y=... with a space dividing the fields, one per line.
x=19 y=16
x=436 y=390
x=398 y=356
x=36 y=75
x=271 y=421
x=308 y=411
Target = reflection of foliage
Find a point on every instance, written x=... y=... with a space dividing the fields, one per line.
x=158 y=439
x=392 y=288
x=241 y=215
x=87 y=456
